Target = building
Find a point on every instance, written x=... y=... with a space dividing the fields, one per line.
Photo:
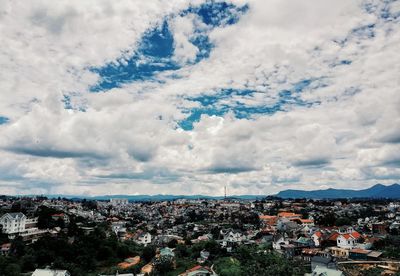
x=363 y=254
x=379 y=228
x=144 y=239
x=167 y=252
x=289 y=215
x=50 y=272
x=119 y=201
x=13 y=223
x=17 y=224
x=269 y=220
x=5 y=249
x=348 y=240
x=317 y=237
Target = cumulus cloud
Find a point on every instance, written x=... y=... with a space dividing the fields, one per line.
x=257 y=95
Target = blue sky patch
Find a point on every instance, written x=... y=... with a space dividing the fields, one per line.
x=3 y=120
x=155 y=52
x=211 y=104
x=381 y=9
x=153 y=55
x=216 y=13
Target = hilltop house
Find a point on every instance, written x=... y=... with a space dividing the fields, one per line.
x=13 y=223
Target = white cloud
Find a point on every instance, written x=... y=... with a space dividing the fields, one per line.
x=128 y=141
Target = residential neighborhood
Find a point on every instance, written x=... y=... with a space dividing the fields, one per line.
x=199 y=237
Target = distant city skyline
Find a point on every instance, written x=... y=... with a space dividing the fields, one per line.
x=198 y=97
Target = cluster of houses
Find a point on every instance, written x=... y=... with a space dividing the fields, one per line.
x=284 y=225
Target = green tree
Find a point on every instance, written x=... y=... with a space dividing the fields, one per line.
x=228 y=266
x=148 y=253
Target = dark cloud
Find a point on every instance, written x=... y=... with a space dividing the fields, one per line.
x=55 y=153
x=392 y=138
x=230 y=169
x=312 y=162
x=157 y=175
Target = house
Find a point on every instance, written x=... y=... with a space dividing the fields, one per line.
x=307 y=222
x=50 y=272
x=305 y=242
x=203 y=256
x=363 y=254
x=199 y=271
x=167 y=252
x=332 y=238
x=269 y=220
x=13 y=223
x=288 y=215
x=339 y=252
x=231 y=238
x=289 y=250
x=279 y=241
x=348 y=240
x=287 y=225
x=60 y=216
x=317 y=238
x=5 y=248
x=144 y=239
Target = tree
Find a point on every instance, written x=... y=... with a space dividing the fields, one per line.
x=228 y=266
x=148 y=253
x=18 y=247
x=342 y=221
x=12 y=270
x=163 y=265
x=45 y=220
x=172 y=243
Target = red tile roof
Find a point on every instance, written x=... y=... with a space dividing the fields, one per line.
x=318 y=234
x=333 y=236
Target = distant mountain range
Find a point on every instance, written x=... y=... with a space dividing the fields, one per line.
x=136 y=198
x=376 y=191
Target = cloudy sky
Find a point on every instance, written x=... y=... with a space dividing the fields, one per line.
x=184 y=97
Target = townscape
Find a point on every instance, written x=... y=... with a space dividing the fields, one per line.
x=267 y=236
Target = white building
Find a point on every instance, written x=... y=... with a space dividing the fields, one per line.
x=17 y=224
x=13 y=223
x=317 y=238
x=50 y=272
x=348 y=240
x=144 y=238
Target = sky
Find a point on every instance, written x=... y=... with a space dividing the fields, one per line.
x=187 y=96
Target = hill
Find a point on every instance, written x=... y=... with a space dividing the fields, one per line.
x=376 y=191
